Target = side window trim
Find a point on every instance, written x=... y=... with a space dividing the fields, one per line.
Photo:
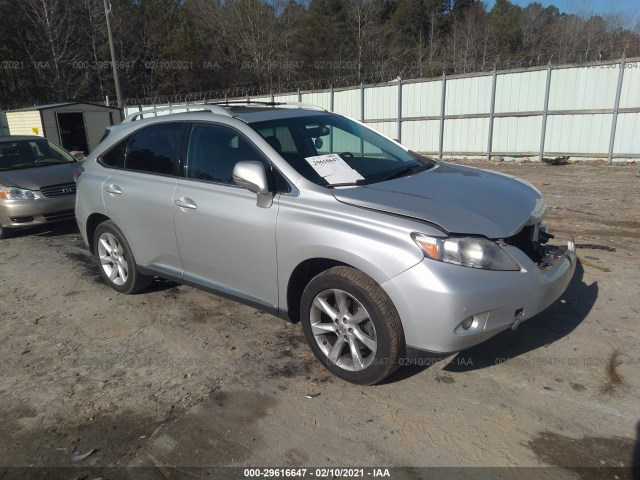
x=184 y=150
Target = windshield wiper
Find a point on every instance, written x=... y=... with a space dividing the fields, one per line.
x=52 y=161
x=347 y=184
x=397 y=174
x=404 y=171
x=39 y=164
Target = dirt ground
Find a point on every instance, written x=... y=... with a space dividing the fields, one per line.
x=175 y=377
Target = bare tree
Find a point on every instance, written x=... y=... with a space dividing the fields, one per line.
x=170 y=47
x=470 y=40
x=245 y=33
x=49 y=40
x=536 y=40
x=362 y=17
x=92 y=28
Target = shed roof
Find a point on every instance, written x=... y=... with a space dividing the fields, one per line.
x=19 y=138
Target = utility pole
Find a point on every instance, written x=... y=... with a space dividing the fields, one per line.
x=107 y=12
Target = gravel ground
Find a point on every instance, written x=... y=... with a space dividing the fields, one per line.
x=175 y=377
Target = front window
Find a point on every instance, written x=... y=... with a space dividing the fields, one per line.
x=19 y=154
x=214 y=151
x=332 y=150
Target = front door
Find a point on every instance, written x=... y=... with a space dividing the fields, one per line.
x=226 y=241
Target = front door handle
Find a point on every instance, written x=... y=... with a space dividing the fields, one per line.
x=115 y=189
x=186 y=203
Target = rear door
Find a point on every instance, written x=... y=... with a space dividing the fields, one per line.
x=139 y=195
x=226 y=241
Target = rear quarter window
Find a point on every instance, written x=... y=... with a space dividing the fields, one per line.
x=114 y=157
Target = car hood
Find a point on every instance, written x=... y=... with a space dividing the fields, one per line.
x=36 y=177
x=458 y=199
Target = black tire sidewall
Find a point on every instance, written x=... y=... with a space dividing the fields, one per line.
x=380 y=366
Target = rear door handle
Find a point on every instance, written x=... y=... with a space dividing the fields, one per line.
x=186 y=203
x=115 y=189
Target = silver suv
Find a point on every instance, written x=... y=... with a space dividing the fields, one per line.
x=380 y=253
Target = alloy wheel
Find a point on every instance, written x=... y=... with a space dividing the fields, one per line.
x=112 y=259
x=343 y=329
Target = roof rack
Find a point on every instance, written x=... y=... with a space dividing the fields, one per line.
x=270 y=104
x=213 y=108
x=218 y=107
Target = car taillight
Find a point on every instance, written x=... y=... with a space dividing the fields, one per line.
x=76 y=173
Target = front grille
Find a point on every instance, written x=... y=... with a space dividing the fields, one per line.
x=57 y=216
x=524 y=241
x=59 y=190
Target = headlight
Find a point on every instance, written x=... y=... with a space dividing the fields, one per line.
x=13 y=193
x=474 y=252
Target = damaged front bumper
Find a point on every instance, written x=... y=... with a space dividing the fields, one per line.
x=447 y=308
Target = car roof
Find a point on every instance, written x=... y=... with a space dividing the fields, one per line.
x=252 y=114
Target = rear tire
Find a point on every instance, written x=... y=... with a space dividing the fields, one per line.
x=116 y=261
x=352 y=325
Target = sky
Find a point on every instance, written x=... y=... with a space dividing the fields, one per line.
x=632 y=7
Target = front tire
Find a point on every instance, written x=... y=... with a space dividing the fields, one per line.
x=352 y=326
x=4 y=232
x=115 y=260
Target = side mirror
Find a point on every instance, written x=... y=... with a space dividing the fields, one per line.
x=252 y=176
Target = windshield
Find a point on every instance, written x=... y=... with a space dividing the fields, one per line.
x=18 y=154
x=332 y=150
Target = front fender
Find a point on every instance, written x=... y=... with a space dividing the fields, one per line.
x=377 y=244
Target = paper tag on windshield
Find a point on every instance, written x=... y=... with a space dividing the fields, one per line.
x=334 y=169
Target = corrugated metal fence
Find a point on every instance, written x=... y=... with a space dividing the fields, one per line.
x=586 y=110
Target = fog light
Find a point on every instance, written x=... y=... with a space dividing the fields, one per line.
x=472 y=324
x=467 y=322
